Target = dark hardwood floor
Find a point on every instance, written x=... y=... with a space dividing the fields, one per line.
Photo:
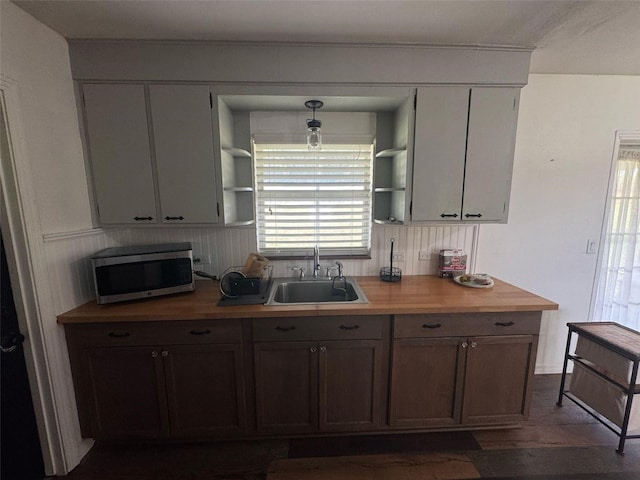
x=556 y=443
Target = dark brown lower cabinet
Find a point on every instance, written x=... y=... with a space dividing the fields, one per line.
x=191 y=379
x=440 y=380
x=127 y=386
x=205 y=393
x=286 y=386
x=350 y=380
x=426 y=386
x=326 y=385
x=124 y=392
x=497 y=379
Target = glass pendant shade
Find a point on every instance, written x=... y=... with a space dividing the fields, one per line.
x=314 y=137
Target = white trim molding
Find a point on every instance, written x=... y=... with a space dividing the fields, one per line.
x=52 y=237
x=33 y=296
x=622 y=137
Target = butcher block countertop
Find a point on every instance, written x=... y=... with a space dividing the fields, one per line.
x=413 y=294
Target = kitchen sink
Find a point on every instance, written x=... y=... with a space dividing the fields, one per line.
x=286 y=291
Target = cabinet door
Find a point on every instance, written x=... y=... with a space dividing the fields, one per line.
x=183 y=139
x=127 y=392
x=350 y=384
x=493 y=118
x=497 y=382
x=439 y=153
x=426 y=384
x=286 y=386
x=118 y=141
x=205 y=389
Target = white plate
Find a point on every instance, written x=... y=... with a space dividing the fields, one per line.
x=471 y=283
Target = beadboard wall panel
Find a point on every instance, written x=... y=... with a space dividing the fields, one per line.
x=69 y=265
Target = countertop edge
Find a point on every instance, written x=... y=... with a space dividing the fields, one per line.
x=185 y=306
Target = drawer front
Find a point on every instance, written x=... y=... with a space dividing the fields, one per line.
x=154 y=333
x=318 y=328
x=466 y=325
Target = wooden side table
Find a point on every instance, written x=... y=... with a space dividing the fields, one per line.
x=611 y=352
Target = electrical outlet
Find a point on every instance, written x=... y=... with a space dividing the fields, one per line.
x=398 y=257
x=423 y=255
x=201 y=259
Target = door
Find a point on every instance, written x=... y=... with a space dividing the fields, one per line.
x=20 y=453
x=493 y=117
x=426 y=382
x=286 y=386
x=205 y=389
x=120 y=153
x=496 y=381
x=183 y=139
x=439 y=153
x=127 y=392
x=350 y=385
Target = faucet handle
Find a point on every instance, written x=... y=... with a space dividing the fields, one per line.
x=299 y=269
x=331 y=268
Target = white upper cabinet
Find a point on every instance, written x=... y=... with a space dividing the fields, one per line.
x=151 y=152
x=463 y=153
x=183 y=140
x=119 y=151
x=493 y=117
x=439 y=153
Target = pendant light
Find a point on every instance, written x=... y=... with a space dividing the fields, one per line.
x=314 y=137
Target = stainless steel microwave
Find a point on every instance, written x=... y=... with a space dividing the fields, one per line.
x=142 y=271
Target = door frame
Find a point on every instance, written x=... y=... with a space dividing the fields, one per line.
x=621 y=137
x=25 y=260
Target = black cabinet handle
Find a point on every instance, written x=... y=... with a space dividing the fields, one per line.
x=285 y=329
x=503 y=324
x=434 y=325
x=119 y=334
x=355 y=326
x=174 y=218
x=449 y=215
x=138 y=219
x=474 y=215
x=200 y=332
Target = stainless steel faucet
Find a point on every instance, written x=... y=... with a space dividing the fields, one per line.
x=316 y=261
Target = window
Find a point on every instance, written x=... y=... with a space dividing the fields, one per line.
x=306 y=198
x=618 y=287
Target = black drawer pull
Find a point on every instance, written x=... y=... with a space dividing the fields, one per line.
x=449 y=215
x=137 y=219
x=119 y=334
x=285 y=329
x=355 y=326
x=503 y=324
x=435 y=325
x=474 y=215
x=200 y=332
x=174 y=218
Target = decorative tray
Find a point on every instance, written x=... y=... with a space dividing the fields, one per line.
x=477 y=280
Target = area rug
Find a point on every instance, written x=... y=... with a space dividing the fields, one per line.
x=430 y=466
x=382 y=444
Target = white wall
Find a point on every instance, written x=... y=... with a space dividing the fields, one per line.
x=564 y=145
x=37 y=58
x=52 y=189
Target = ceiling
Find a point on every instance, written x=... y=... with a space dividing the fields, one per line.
x=574 y=37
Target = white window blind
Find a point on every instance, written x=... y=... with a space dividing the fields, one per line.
x=306 y=198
